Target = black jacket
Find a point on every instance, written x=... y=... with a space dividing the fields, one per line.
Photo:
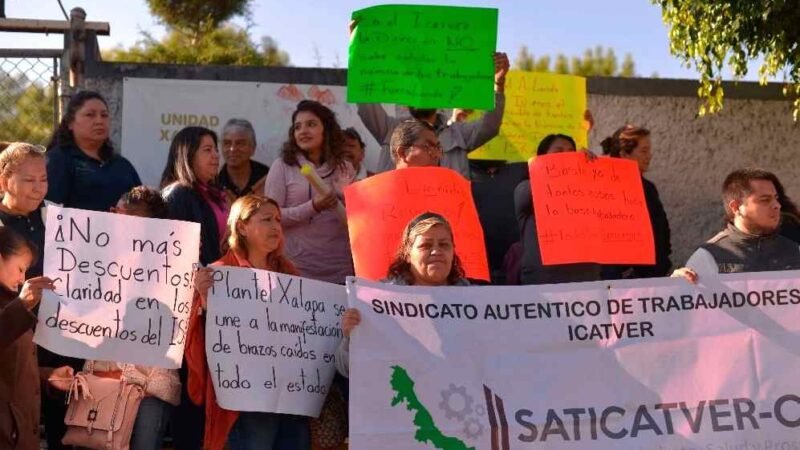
x=532 y=269
x=661 y=238
x=185 y=203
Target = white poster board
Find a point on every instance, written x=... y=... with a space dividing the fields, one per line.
x=646 y=364
x=153 y=110
x=271 y=340
x=124 y=287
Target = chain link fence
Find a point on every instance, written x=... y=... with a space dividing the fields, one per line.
x=28 y=94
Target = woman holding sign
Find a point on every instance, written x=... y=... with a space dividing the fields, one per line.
x=307 y=181
x=162 y=388
x=24 y=184
x=632 y=142
x=256 y=241
x=532 y=270
x=189 y=187
x=19 y=371
x=426 y=257
x=83 y=170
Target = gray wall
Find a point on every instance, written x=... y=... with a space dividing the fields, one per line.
x=691 y=155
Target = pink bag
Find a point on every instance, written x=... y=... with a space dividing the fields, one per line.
x=101 y=412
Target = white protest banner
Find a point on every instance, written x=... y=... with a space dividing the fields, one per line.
x=648 y=364
x=154 y=110
x=271 y=339
x=123 y=286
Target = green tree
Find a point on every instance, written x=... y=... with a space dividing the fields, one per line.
x=594 y=62
x=26 y=110
x=197 y=33
x=197 y=17
x=226 y=45
x=711 y=35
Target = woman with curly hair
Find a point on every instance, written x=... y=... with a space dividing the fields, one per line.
x=316 y=237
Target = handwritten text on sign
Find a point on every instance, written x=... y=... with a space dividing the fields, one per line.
x=123 y=286
x=270 y=340
x=380 y=207
x=537 y=104
x=643 y=364
x=423 y=56
x=590 y=211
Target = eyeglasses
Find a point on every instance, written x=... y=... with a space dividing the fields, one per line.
x=431 y=149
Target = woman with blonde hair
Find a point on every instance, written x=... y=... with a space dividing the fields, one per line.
x=255 y=241
x=24 y=184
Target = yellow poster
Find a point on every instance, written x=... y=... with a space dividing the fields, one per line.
x=537 y=104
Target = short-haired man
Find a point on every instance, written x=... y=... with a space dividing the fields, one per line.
x=751 y=241
x=414 y=144
x=240 y=175
x=355 y=151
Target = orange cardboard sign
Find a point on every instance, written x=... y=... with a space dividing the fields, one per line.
x=380 y=207
x=590 y=211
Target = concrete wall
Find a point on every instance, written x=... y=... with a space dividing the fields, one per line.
x=691 y=155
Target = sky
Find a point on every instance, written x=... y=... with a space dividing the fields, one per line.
x=315 y=31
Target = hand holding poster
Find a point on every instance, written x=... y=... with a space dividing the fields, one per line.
x=590 y=210
x=423 y=56
x=123 y=286
x=645 y=364
x=380 y=207
x=270 y=340
x=537 y=104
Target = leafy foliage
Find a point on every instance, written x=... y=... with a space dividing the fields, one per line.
x=710 y=35
x=594 y=62
x=197 y=17
x=26 y=110
x=225 y=45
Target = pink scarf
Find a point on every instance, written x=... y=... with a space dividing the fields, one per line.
x=219 y=206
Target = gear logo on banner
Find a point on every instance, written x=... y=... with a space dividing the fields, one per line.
x=457 y=405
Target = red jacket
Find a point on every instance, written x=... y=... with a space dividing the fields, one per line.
x=200 y=387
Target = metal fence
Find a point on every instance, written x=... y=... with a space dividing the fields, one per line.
x=29 y=94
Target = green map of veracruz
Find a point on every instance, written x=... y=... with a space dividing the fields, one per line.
x=427 y=432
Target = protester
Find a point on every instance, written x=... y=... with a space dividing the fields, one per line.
x=426 y=256
x=82 y=168
x=24 y=185
x=532 y=270
x=189 y=187
x=355 y=151
x=414 y=144
x=19 y=372
x=162 y=388
x=632 y=142
x=240 y=175
x=459 y=115
x=751 y=241
x=255 y=241
x=457 y=139
x=316 y=235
